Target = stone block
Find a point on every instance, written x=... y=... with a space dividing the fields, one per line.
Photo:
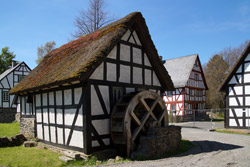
x=29 y=144
x=65 y=159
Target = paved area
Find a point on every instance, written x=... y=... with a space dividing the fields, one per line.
x=212 y=149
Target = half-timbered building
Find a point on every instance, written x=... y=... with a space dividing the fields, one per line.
x=72 y=92
x=8 y=80
x=190 y=85
x=237 y=88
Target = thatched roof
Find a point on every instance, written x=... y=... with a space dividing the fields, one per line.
x=237 y=64
x=180 y=69
x=77 y=60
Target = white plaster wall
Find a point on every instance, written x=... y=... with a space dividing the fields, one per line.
x=105 y=95
x=239 y=70
x=95 y=143
x=69 y=115
x=51 y=115
x=146 y=60
x=111 y=72
x=137 y=56
x=78 y=93
x=137 y=38
x=23 y=104
x=46 y=132
x=247 y=89
x=53 y=134
x=124 y=74
x=96 y=108
x=39 y=131
x=137 y=75
x=10 y=78
x=98 y=73
x=246 y=78
x=5 y=83
x=60 y=135
x=38 y=100
x=45 y=99
x=126 y=35
x=113 y=52
x=45 y=116
x=59 y=118
x=125 y=53
x=68 y=97
x=232 y=101
x=51 y=98
x=248 y=57
x=147 y=77
x=247 y=67
x=101 y=126
x=66 y=130
x=238 y=90
x=38 y=115
x=58 y=97
x=233 y=80
x=79 y=120
x=155 y=80
x=77 y=139
x=247 y=100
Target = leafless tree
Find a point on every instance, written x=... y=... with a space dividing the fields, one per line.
x=92 y=19
x=43 y=50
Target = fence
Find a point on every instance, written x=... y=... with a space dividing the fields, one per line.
x=212 y=115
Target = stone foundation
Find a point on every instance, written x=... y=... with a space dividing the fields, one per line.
x=158 y=142
x=27 y=127
x=7 y=115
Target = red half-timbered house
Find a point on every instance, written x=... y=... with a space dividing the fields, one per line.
x=190 y=85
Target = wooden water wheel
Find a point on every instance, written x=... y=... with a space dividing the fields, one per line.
x=133 y=115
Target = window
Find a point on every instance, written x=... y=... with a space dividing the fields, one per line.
x=6 y=96
x=117 y=94
x=20 y=77
x=169 y=93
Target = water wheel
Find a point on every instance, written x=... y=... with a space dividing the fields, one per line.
x=133 y=115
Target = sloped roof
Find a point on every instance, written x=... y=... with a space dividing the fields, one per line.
x=235 y=67
x=5 y=73
x=180 y=69
x=77 y=60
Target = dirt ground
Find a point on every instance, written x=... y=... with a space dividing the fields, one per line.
x=212 y=149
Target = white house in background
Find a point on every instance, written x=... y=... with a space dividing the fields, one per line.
x=237 y=88
x=8 y=80
x=190 y=86
x=72 y=92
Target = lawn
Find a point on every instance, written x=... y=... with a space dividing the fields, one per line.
x=9 y=129
x=29 y=157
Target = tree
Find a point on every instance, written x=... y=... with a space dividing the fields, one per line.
x=92 y=19
x=6 y=58
x=43 y=50
x=215 y=73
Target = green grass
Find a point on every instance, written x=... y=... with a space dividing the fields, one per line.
x=9 y=129
x=29 y=157
x=225 y=131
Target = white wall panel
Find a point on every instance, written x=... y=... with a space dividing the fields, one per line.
x=78 y=93
x=247 y=100
x=68 y=97
x=247 y=89
x=51 y=98
x=248 y=57
x=125 y=53
x=38 y=100
x=124 y=74
x=95 y=143
x=238 y=90
x=113 y=52
x=137 y=75
x=77 y=139
x=46 y=132
x=137 y=38
x=105 y=95
x=51 y=115
x=79 y=120
x=148 y=77
x=233 y=80
x=39 y=131
x=101 y=126
x=111 y=72
x=38 y=115
x=146 y=60
x=10 y=78
x=53 y=134
x=232 y=122
x=45 y=115
x=45 y=99
x=232 y=101
x=137 y=56
x=247 y=67
x=246 y=78
x=58 y=97
x=59 y=116
x=96 y=107
x=69 y=115
x=126 y=35
x=155 y=80
x=60 y=135
x=98 y=73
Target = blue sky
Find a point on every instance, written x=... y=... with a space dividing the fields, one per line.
x=177 y=27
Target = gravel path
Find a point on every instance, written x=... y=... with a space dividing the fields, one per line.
x=212 y=150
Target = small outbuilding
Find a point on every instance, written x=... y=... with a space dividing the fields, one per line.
x=237 y=88
x=8 y=79
x=189 y=97
x=101 y=90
